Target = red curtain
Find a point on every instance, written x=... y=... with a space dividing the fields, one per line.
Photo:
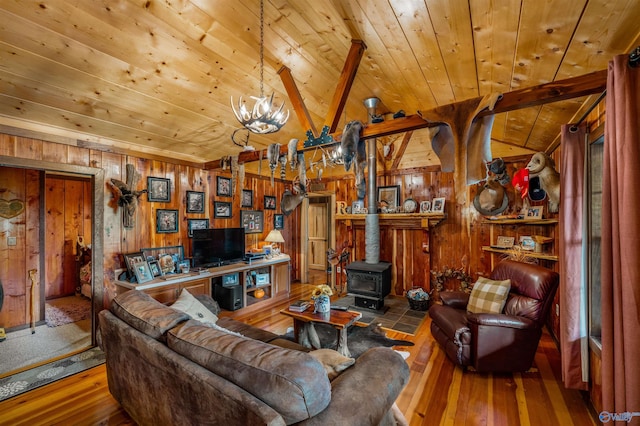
x=573 y=329
x=621 y=242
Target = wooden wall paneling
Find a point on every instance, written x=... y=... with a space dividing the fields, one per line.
x=12 y=258
x=87 y=217
x=78 y=156
x=114 y=234
x=32 y=237
x=29 y=148
x=54 y=152
x=54 y=238
x=7 y=145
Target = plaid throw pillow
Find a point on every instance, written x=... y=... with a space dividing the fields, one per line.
x=488 y=296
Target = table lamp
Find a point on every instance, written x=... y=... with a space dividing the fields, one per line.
x=275 y=237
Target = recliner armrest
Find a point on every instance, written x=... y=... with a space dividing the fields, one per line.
x=455 y=299
x=501 y=320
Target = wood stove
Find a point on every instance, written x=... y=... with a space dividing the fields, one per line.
x=369 y=283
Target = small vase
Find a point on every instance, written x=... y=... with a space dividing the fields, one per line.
x=322 y=304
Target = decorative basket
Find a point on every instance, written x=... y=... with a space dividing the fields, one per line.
x=418 y=299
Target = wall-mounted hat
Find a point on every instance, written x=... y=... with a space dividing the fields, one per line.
x=491 y=200
x=536 y=193
x=520 y=182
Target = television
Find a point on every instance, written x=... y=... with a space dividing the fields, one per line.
x=217 y=246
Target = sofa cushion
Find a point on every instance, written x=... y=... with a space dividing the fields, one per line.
x=146 y=314
x=247 y=330
x=488 y=296
x=291 y=382
x=191 y=306
x=333 y=361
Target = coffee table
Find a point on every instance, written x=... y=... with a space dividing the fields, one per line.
x=305 y=332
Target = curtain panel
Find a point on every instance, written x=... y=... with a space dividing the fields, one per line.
x=573 y=329
x=621 y=242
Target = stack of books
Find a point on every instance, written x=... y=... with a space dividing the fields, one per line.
x=299 y=305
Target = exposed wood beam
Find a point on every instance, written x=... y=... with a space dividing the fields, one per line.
x=296 y=100
x=401 y=150
x=555 y=91
x=344 y=84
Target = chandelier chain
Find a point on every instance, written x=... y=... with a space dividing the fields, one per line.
x=261 y=47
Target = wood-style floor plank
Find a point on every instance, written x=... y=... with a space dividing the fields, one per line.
x=438 y=393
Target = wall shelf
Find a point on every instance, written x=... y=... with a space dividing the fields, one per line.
x=397 y=220
x=533 y=254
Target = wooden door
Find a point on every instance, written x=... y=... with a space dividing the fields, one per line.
x=318 y=235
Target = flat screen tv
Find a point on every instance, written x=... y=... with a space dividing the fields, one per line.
x=217 y=246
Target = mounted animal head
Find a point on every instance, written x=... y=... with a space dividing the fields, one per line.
x=349 y=142
x=539 y=161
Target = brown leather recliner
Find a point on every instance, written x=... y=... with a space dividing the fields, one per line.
x=497 y=342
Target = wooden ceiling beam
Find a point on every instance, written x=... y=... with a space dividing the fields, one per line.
x=575 y=87
x=296 y=100
x=344 y=84
x=401 y=150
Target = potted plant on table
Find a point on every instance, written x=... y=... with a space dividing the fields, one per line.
x=321 y=298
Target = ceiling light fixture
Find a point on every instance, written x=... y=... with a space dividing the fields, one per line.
x=265 y=117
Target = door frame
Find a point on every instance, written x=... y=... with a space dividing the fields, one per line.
x=304 y=232
x=96 y=177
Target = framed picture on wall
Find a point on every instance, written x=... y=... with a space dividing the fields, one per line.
x=223 y=186
x=195 y=202
x=278 y=221
x=269 y=202
x=221 y=209
x=247 y=199
x=252 y=221
x=389 y=196
x=166 y=221
x=196 y=224
x=158 y=189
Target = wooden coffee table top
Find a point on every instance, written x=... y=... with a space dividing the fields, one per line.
x=337 y=318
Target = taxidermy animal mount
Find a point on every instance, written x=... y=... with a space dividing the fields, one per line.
x=353 y=148
x=127 y=196
x=543 y=166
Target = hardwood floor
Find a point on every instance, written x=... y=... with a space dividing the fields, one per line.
x=438 y=393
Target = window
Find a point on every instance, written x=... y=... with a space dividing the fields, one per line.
x=594 y=224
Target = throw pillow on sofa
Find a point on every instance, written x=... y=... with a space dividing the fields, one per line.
x=488 y=296
x=188 y=304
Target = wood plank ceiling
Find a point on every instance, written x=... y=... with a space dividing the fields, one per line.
x=156 y=76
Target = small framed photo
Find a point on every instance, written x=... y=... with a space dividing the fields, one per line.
x=195 y=202
x=252 y=221
x=183 y=266
x=130 y=259
x=278 y=221
x=425 y=206
x=221 y=209
x=527 y=243
x=534 y=212
x=437 y=205
x=389 y=197
x=196 y=224
x=142 y=271
x=269 y=202
x=247 y=199
x=158 y=189
x=166 y=221
x=154 y=267
x=223 y=186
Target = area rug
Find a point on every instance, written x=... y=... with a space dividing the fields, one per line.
x=396 y=315
x=48 y=373
x=67 y=310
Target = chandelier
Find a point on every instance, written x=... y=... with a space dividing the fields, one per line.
x=264 y=117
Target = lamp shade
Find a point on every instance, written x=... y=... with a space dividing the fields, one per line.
x=275 y=236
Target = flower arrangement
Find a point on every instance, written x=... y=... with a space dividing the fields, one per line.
x=321 y=290
x=439 y=278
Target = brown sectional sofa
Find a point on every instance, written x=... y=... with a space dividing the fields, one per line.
x=165 y=368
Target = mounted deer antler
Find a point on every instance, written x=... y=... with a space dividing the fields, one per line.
x=127 y=196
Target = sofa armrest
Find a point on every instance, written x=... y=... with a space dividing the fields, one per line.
x=455 y=299
x=501 y=320
x=382 y=372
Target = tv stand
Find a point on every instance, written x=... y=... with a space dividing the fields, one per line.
x=271 y=276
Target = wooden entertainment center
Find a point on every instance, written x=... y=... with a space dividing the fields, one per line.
x=234 y=286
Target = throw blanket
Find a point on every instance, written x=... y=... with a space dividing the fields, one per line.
x=461 y=141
